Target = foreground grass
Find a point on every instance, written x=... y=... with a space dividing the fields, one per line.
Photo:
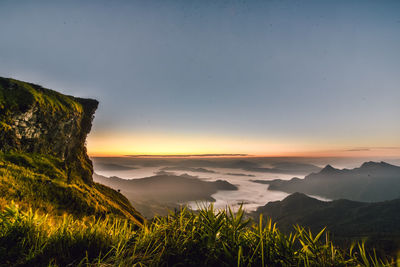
x=206 y=238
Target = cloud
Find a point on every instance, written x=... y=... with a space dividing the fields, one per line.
x=190 y=169
x=188 y=155
x=359 y=149
x=373 y=148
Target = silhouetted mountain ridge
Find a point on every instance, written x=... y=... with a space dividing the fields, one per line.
x=371 y=182
x=328 y=169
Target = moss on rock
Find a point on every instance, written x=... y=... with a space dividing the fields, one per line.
x=38 y=120
x=43 y=158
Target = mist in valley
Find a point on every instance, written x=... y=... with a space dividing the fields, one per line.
x=159 y=184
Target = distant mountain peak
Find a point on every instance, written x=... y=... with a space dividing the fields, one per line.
x=374 y=164
x=299 y=199
x=297 y=196
x=328 y=169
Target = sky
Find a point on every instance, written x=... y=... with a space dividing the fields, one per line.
x=183 y=77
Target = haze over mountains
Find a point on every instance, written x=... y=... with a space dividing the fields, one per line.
x=358 y=210
x=257 y=180
x=252 y=164
x=371 y=182
x=236 y=170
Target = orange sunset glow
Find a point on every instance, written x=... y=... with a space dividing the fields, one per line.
x=119 y=145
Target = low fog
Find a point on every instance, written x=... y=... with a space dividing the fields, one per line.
x=155 y=185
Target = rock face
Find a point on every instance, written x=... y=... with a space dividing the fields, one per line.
x=38 y=120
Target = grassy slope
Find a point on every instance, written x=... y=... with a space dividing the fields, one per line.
x=47 y=99
x=22 y=95
x=38 y=181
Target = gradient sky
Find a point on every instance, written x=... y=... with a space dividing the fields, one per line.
x=257 y=77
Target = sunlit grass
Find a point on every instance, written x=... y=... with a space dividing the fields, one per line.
x=39 y=181
x=206 y=238
x=17 y=94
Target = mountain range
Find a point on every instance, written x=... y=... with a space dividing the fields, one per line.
x=371 y=182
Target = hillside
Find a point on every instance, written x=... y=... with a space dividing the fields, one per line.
x=43 y=160
x=347 y=220
x=371 y=182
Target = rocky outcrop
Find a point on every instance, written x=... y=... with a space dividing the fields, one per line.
x=38 y=120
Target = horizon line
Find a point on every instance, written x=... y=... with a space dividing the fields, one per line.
x=95 y=155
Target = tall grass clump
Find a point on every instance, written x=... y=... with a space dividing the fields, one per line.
x=208 y=237
x=31 y=239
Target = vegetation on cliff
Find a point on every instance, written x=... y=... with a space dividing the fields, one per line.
x=38 y=120
x=43 y=160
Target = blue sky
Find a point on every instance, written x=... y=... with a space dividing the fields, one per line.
x=216 y=76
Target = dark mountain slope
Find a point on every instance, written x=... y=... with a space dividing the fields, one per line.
x=347 y=220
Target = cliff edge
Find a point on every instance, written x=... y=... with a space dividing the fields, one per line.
x=43 y=159
x=38 y=120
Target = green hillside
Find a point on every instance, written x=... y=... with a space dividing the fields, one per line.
x=39 y=182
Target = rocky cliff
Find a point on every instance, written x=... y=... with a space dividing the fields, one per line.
x=38 y=120
x=43 y=159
